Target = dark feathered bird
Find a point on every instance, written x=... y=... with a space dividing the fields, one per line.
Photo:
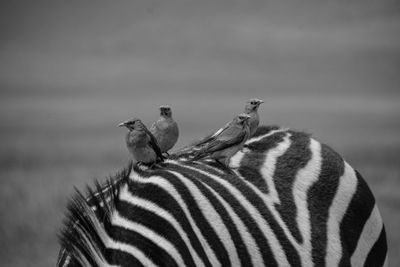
x=141 y=143
x=251 y=108
x=165 y=129
x=229 y=141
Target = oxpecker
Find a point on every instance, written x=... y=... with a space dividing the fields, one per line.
x=141 y=143
x=165 y=129
x=229 y=141
x=251 y=108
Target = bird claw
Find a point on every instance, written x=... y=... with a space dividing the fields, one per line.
x=146 y=166
x=229 y=170
x=155 y=166
x=245 y=150
x=142 y=166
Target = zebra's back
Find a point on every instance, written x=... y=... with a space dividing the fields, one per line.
x=291 y=202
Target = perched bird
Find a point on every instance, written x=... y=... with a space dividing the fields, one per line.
x=228 y=142
x=141 y=143
x=251 y=108
x=165 y=129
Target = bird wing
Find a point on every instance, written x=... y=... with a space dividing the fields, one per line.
x=153 y=127
x=212 y=137
x=233 y=139
x=154 y=144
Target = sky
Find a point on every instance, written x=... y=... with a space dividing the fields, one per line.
x=177 y=47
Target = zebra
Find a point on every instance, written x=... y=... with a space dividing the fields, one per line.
x=290 y=201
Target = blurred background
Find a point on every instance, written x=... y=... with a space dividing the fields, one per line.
x=70 y=71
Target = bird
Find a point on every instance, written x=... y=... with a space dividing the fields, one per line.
x=165 y=130
x=229 y=141
x=251 y=108
x=141 y=143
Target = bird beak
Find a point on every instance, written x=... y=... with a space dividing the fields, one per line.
x=122 y=124
x=261 y=101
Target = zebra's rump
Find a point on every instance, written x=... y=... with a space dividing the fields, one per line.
x=290 y=201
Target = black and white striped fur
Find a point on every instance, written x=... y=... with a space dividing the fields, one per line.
x=291 y=201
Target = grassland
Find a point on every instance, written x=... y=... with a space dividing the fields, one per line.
x=51 y=142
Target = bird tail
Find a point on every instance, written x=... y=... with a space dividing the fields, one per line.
x=198 y=155
x=160 y=158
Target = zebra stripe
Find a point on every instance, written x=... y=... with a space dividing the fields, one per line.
x=165 y=184
x=240 y=231
x=371 y=232
x=344 y=192
x=126 y=196
x=212 y=215
x=149 y=234
x=305 y=178
x=290 y=201
x=236 y=195
x=377 y=254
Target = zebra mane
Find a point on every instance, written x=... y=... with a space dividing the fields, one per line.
x=88 y=216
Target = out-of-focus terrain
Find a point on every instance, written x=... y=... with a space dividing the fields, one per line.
x=70 y=72
x=48 y=147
